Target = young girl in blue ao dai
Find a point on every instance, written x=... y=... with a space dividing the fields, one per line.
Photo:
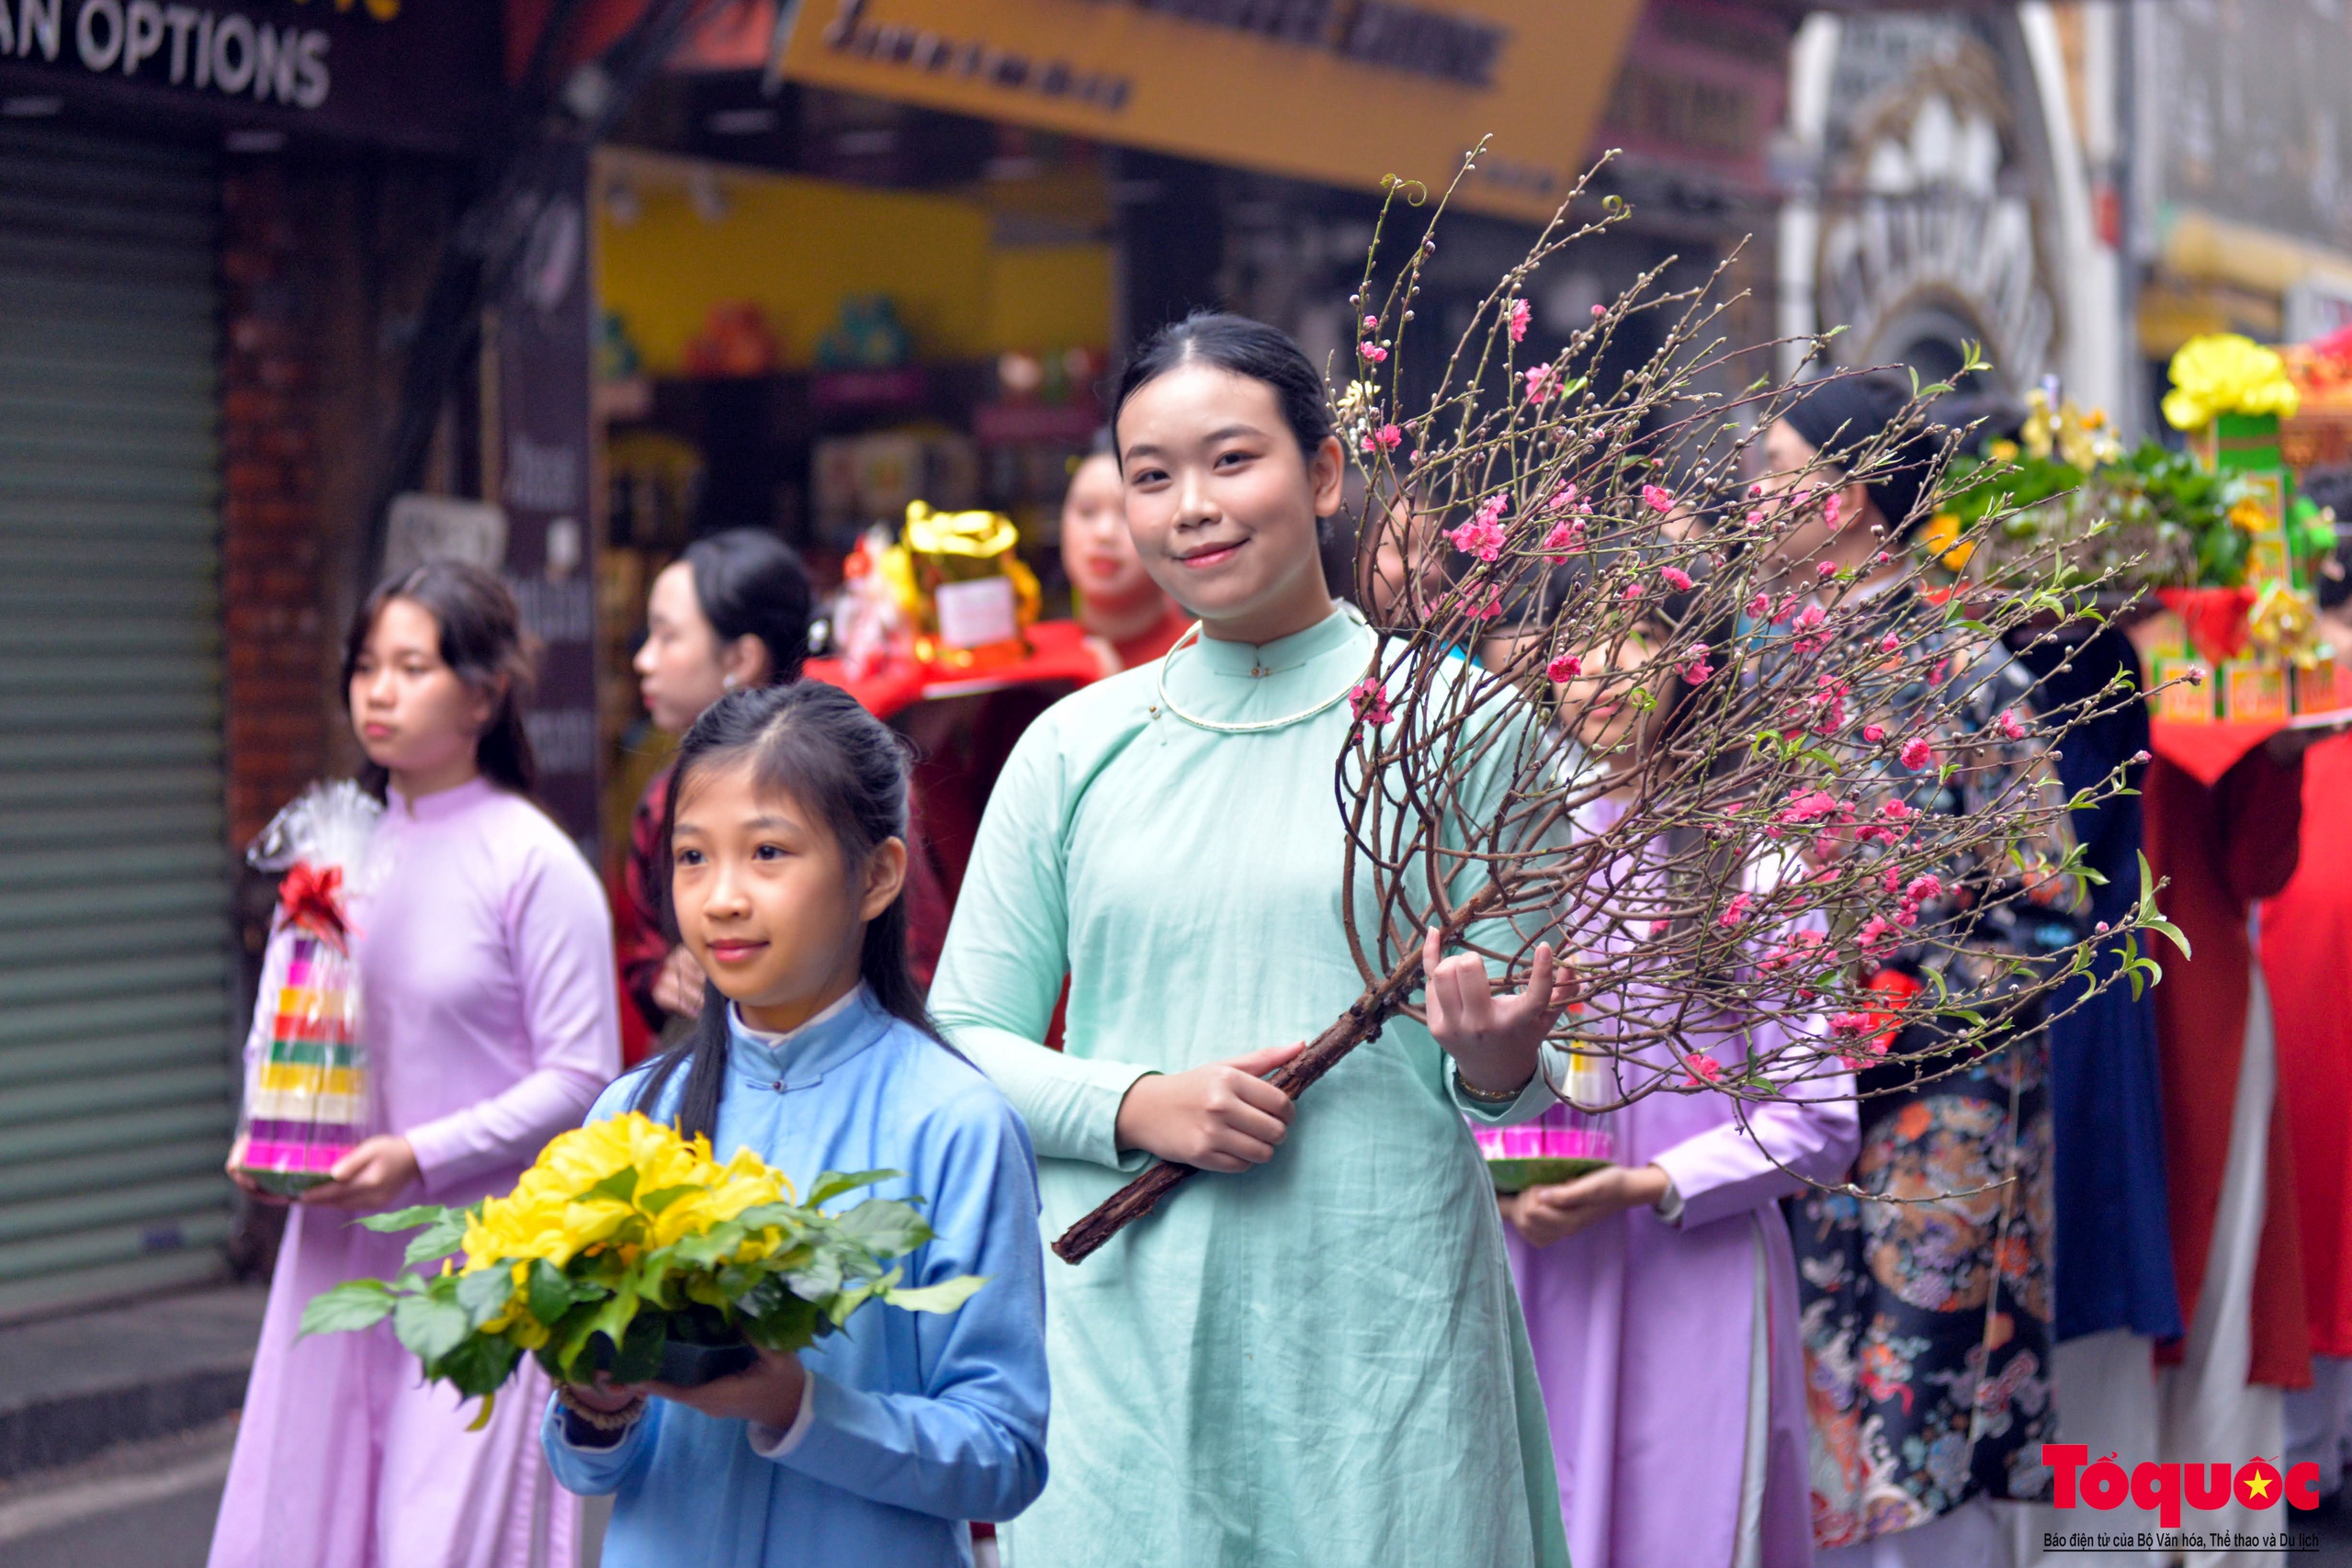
x=787 y=835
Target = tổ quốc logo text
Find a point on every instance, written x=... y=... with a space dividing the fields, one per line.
x=2169 y=1489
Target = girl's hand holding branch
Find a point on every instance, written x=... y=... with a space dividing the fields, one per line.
x=1495 y=1042
x=1220 y=1116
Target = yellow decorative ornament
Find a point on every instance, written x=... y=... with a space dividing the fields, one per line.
x=959 y=579
x=2283 y=626
x=2083 y=440
x=1940 y=538
x=2224 y=373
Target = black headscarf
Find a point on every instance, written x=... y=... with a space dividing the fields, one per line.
x=1839 y=414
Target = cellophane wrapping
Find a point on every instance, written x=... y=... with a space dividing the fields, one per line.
x=307 y=1100
x=1565 y=1131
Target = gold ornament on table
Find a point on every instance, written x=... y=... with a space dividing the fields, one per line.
x=964 y=585
x=2283 y=626
x=2081 y=439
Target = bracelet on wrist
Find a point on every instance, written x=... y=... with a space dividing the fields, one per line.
x=1477 y=1096
x=619 y=1420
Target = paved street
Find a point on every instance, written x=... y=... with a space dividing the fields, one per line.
x=141 y=1505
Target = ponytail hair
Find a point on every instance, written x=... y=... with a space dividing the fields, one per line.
x=481 y=642
x=848 y=769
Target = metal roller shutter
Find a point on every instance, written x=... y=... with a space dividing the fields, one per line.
x=116 y=1089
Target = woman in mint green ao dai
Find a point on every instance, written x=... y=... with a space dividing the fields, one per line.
x=1315 y=1357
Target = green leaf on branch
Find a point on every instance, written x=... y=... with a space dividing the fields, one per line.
x=2150 y=916
x=404 y=1219
x=355 y=1304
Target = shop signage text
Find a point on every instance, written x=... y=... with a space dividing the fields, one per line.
x=1349 y=92
x=186 y=46
x=405 y=71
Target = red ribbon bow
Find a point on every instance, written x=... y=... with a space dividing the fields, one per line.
x=312 y=899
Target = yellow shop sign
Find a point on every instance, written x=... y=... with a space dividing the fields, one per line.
x=1344 y=92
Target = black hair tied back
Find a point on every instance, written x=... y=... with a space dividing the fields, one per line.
x=848 y=769
x=750 y=583
x=1243 y=347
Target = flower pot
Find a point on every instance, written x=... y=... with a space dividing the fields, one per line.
x=1518 y=1175
x=686 y=1365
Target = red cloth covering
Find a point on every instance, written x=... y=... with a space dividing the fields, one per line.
x=2206 y=751
x=1057 y=652
x=1155 y=640
x=2223 y=846
x=2307 y=959
x=640 y=937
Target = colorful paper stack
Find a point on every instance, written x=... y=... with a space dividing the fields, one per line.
x=306 y=1102
x=1561 y=1132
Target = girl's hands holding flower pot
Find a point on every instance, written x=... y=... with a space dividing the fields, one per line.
x=378 y=1170
x=1542 y=1215
x=1494 y=1041
x=768 y=1392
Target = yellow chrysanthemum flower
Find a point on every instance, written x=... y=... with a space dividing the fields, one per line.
x=1940 y=536
x=2224 y=373
x=548 y=1214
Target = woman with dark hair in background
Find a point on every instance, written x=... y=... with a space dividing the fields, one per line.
x=730 y=615
x=490 y=1019
x=1660 y=1292
x=1314 y=1358
x=1129 y=617
x=1926 y=1324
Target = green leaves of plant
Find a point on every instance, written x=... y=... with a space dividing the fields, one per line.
x=885 y=1226
x=355 y=1304
x=549 y=1292
x=431 y=1325
x=946 y=1296
x=445 y=1229
x=834 y=1183
x=615 y=1307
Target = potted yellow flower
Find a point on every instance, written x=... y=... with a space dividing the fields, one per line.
x=627 y=1249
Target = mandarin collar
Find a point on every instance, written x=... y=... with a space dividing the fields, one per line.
x=440 y=804
x=1334 y=632
x=801 y=1058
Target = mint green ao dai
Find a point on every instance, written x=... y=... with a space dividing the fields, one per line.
x=1317 y=1363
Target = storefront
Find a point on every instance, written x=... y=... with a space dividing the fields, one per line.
x=123 y=685
x=893 y=260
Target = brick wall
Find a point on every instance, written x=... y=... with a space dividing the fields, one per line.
x=271 y=591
